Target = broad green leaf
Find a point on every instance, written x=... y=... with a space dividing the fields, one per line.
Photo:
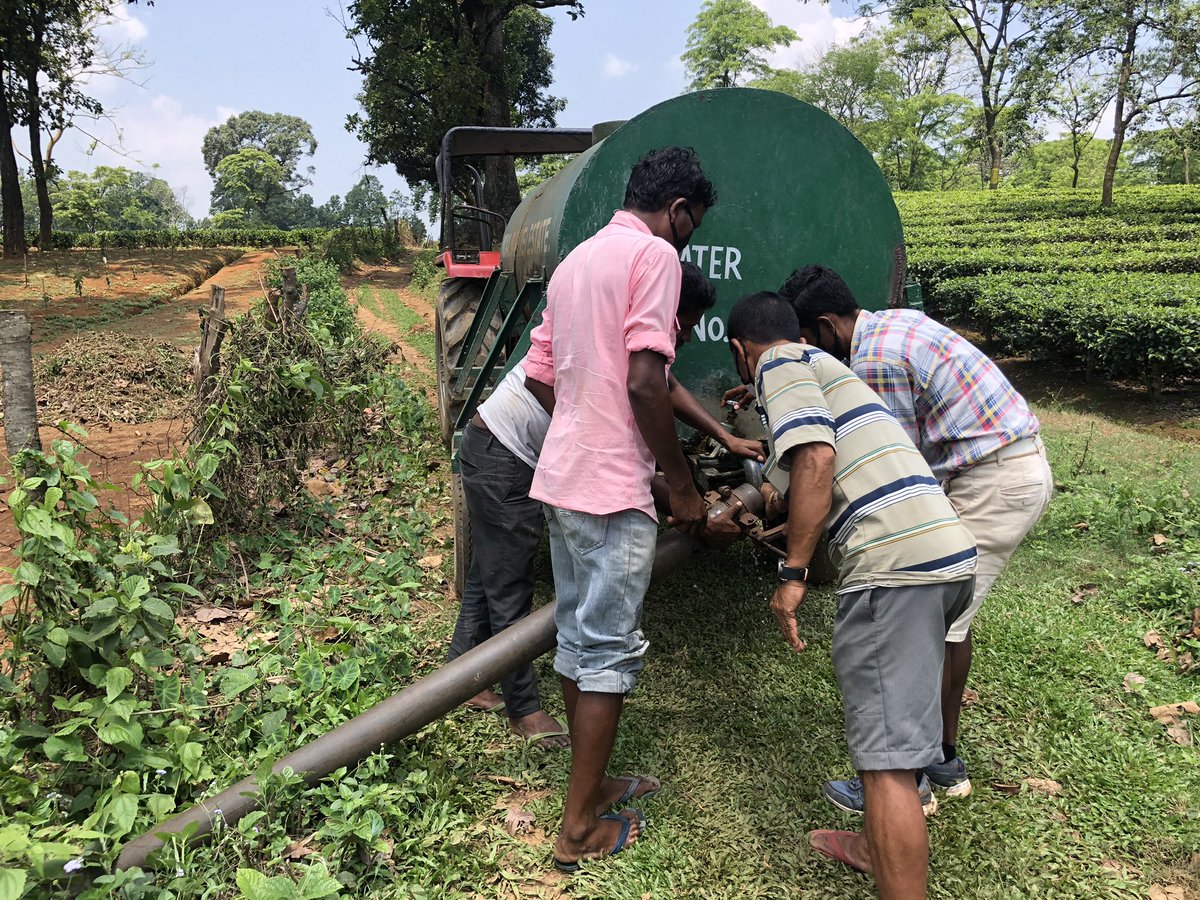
x=190 y=754
x=310 y=669
x=116 y=681
x=135 y=586
x=123 y=813
x=317 y=884
x=29 y=573
x=37 y=522
x=55 y=654
x=12 y=883
x=167 y=691
x=160 y=805
x=65 y=749
x=345 y=674
x=200 y=513
x=157 y=608
x=128 y=734
x=235 y=681
x=271 y=722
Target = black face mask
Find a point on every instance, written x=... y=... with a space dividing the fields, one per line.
x=681 y=245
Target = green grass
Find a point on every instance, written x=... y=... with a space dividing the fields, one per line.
x=389 y=306
x=743 y=732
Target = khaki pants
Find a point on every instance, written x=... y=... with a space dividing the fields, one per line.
x=999 y=500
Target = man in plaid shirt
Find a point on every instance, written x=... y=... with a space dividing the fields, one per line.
x=973 y=428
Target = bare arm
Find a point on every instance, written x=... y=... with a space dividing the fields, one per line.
x=542 y=392
x=650 y=399
x=810 y=494
x=690 y=411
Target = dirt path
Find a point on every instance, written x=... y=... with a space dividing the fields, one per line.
x=178 y=321
x=411 y=360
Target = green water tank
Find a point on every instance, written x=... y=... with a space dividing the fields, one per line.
x=794 y=187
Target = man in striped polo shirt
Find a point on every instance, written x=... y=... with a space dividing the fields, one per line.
x=973 y=428
x=839 y=460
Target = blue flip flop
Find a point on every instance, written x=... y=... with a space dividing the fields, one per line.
x=634 y=781
x=619 y=845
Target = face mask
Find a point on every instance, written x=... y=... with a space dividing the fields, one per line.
x=680 y=245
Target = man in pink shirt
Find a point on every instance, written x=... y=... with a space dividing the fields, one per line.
x=604 y=344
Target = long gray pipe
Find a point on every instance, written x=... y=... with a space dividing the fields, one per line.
x=402 y=714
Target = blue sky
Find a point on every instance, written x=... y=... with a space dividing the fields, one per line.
x=211 y=59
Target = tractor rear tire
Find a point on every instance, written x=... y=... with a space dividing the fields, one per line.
x=458 y=302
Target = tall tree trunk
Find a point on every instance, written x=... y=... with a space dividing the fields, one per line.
x=20 y=403
x=1187 y=165
x=1120 y=119
x=34 y=115
x=10 y=180
x=500 y=191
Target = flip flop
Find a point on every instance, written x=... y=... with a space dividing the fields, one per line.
x=571 y=867
x=634 y=781
x=836 y=851
x=542 y=735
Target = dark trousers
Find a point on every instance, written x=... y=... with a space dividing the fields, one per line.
x=506 y=528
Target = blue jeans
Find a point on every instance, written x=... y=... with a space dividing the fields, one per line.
x=602 y=568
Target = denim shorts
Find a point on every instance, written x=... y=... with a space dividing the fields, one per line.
x=602 y=568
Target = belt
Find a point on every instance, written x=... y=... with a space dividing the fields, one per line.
x=1030 y=446
x=477 y=422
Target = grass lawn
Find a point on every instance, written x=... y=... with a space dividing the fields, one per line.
x=743 y=731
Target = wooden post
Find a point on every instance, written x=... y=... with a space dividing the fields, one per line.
x=206 y=359
x=20 y=402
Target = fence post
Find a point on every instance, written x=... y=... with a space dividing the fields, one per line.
x=20 y=401
x=206 y=359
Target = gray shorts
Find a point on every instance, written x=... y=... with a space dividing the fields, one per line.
x=888 y=646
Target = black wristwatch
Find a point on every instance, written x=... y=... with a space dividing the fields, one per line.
x=792 y=573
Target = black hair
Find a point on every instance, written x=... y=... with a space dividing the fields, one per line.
x=816 y=291
x=762 y=318
x=662 y=176
x=696 y=293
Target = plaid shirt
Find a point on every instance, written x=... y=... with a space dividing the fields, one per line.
x=952 y=400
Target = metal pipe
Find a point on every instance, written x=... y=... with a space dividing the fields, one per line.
x=409 y=711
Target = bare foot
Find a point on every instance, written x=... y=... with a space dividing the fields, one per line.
x=539 y=723
x=612 y=790
x=598 y=842
x=846 y=847
x=486 y=700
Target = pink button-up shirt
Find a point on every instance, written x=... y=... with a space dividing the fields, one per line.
x=614 y=294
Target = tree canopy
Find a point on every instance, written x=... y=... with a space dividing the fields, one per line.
x=728 y=43
x=429 y=65
x=286 y=138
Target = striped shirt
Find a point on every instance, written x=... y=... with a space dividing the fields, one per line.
x=954 y=402
x=889 y=523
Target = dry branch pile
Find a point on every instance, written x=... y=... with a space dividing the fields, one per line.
x=109 y=377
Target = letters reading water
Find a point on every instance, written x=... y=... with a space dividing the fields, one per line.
x=721 y=263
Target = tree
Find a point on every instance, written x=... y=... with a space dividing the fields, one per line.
x=366 y=203
x=429 y=65
x=255 y=182
x=1150 y=49
x=1078 y=102
x=115 y=198
x=285 y=138
x=1182 y=123
x=1009 y=62
x=729 y=41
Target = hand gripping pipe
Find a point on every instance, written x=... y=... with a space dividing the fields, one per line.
x=407 y=712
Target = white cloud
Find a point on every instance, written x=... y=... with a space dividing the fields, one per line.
x=121 y=26
x=817 y=27
x=614 y=66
